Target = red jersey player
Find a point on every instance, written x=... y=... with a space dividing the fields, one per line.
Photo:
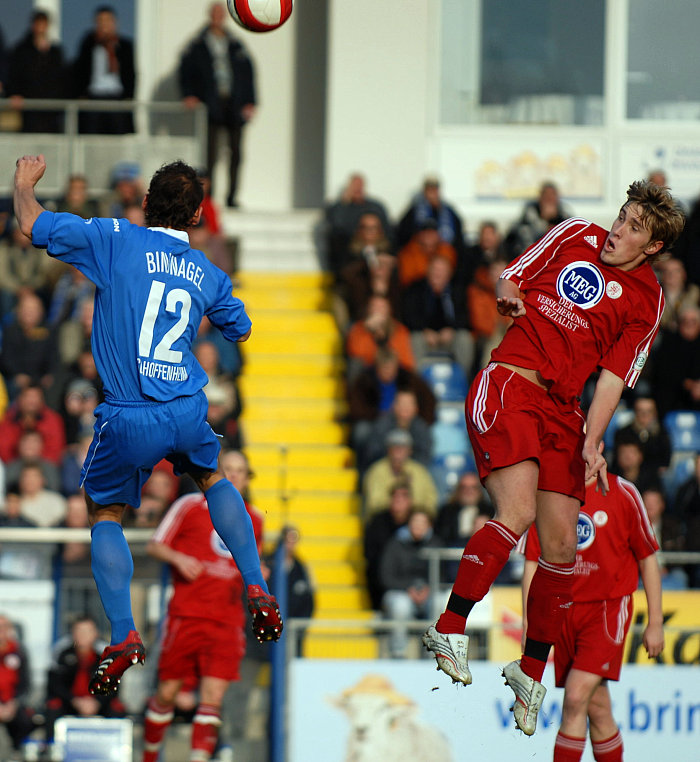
x=204 y=639
x=582 y=298
x=616 y=544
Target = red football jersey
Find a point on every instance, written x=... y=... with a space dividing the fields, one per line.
x=581 y=313
x=614 y=534
x=216 y=593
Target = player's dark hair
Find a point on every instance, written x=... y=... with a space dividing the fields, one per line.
x=174 y=195
x=660 y=213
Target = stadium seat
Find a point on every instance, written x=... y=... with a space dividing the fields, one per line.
x=447 y=469
x=449 y=431
x=681 y=469
x=621 y=417
x=683 y=427
x=447 y=379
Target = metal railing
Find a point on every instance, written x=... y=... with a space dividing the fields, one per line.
x=163 y=131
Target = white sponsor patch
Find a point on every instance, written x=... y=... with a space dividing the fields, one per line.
x=640 y=361
x=613 y=289
x=600 y=518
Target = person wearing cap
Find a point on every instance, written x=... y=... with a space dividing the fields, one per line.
x=376 y=485
x=428 y=204
x=416 y=254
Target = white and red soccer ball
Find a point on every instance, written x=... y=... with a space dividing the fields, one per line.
x=260 y=15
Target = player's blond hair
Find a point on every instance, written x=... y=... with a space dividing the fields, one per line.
x=660 y=213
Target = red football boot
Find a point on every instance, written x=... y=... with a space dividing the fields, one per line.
x=114 y=662
x=267 y=621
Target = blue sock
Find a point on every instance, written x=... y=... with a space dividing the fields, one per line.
x=233 y=525
x=112 y=568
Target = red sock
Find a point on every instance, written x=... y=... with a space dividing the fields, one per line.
x=484 y=556
x=568 y=748
x=547 y=603
x=205 y=732
x=609 y=750
x=156 y=724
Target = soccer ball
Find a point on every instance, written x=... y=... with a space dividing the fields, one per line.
x=260 y=15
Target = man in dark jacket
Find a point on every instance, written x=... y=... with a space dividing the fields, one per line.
x=104 y=70
x=217 y=71
x=75 y=658
x=14 y=684
x=36 y=70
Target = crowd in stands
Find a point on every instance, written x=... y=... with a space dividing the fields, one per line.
x=418 y=294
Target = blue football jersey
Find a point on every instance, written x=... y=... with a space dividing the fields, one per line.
x=152 y=291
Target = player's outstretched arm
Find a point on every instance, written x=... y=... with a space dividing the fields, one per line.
x=189 y=566
x=653 y=637
x=30 y=169
x=608 y=391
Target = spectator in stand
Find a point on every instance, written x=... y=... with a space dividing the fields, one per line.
x=397 y=463
x=343 y=216
x=456 y=518
x=72 y=464
x=379 y=529
x=104 y=70
x=379 y=328
x=434 y=310
x=22 y=268
x=678 y=293
x=71 y=290
x=416 y=254
x=404 y=576
x=30 y=411
x=84 y=368
x=11 y=515
x=488 y=248
x=135 y=214
x=230 y=358
x=629 y=462
x=675 y=376
x=28 y=347
x=651 y=434
x=74 y=554
x=162 y=483
x=217 y=70
x=75 y=334
x=126 y=190
x=37 y=70
x=687 y=249
x=537 y=219
x=15 y=686
x=223 y=397
x=687 y=509
x=402 y=415
x=44 y=507
x=29 y=449
x=76 y=200
x=78 y=412
x=373 y=392
x=488 y=325
x=3 y=483
x=208 y=234
x=74 y=659
x=669 y=534
x=369 y=268
x=428 y=205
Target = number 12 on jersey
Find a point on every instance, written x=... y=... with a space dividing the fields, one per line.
x=163 y=350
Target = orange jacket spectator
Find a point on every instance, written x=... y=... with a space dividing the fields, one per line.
x=423 y=246
x=362 y=343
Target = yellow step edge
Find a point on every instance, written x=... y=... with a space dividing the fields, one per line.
x=285 y=388
x=288 y=321
x=283 y=280
x=337 y=480
x=303 y=299
x=262 y=364
x=330 y=456
x=317 y=527
x=318 y=410
x=296 y=343
x=323 y=433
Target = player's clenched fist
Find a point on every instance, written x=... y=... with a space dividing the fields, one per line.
x=30 y=169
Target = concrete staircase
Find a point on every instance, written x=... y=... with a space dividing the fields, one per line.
x=294 y=400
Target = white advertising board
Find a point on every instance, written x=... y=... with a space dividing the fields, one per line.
x=386 y=711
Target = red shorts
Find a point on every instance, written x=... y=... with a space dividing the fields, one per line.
x=593 y=638
x=510 y=419
x=194 y=648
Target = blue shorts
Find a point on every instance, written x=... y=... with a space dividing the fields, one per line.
x=130 y=438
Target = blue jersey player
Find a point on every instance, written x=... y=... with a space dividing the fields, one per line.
x=152 y=291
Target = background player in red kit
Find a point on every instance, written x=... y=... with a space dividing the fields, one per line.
x=204 y=639
x=582 y=299
x=616 y=544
